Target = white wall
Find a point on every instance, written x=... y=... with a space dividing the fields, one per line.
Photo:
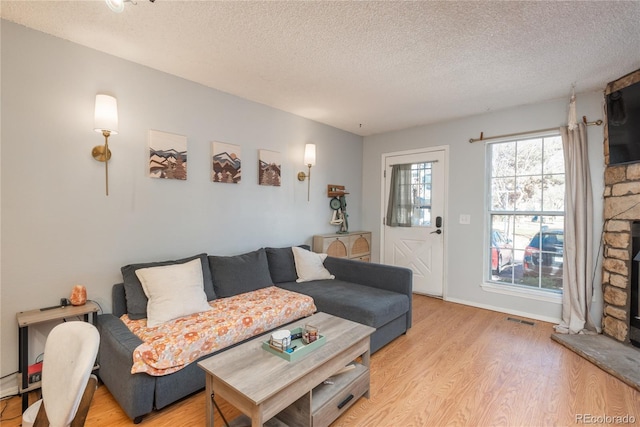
x=464 y=243
x=59 y=228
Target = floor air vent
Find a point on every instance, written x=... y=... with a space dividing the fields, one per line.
x=524 y=322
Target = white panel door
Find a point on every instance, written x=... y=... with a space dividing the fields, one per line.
x=420 y=245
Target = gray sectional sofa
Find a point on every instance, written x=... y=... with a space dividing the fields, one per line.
x=373 y=294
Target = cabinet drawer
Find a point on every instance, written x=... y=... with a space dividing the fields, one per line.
x=343 y=398
x=359 y=244
x=335 y=247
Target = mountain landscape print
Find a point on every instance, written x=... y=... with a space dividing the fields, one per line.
x=269 y=168
x=226 y=164
x=167 y=155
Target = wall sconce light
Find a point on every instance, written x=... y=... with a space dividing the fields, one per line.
x=105 y=122
x=309 y=160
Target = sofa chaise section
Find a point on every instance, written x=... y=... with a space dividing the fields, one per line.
x=375 y=295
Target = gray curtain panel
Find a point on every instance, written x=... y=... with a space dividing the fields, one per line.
x=400 y=203
x=578 y=236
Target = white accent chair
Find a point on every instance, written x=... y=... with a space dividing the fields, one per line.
x=67 y=384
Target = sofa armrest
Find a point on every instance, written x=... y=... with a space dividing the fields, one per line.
x=382 y=276
x=116 y=332
x=389 y=277
x=134 y=392
x=118 y=300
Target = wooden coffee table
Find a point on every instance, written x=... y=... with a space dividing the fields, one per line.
x=263 y=385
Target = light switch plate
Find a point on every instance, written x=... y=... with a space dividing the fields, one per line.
x=465 y=219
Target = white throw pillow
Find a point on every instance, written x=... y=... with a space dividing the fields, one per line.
x=309 y=265
x=173 y=291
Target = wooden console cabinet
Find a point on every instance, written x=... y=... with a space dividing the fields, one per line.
x=352 y=245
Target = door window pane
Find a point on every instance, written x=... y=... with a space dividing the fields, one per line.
x=409 y=203
x=421 y=194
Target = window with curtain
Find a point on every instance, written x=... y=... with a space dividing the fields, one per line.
x=409 y=202
x=526 y=212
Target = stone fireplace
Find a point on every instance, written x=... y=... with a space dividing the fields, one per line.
x=621 y=211
x=621 y=240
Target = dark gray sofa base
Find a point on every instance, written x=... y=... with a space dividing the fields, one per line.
x=387 y=333
x=134 y=393
x=372 y=294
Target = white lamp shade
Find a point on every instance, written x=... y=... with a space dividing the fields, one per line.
x=106 y=117
x=310 y=154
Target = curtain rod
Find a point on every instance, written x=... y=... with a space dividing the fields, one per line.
x=482 y=138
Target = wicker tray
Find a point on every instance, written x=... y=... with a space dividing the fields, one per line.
x=301 y=349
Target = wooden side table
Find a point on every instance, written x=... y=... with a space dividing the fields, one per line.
x=33 y=317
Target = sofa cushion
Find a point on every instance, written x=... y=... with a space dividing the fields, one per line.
x=173 y=291
x=309 y=265
x=363 y=304
x=281 y=264
x=238 y=274
x=137 y=300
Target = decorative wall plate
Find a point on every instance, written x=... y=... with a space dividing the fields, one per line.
x=335 y=203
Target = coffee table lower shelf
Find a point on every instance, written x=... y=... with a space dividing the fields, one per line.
x=328 y=400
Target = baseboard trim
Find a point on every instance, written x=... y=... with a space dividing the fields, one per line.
x=506 y=311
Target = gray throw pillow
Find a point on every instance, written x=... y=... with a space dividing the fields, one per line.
x=282 y=266
x=233 y=275
x=135 y=296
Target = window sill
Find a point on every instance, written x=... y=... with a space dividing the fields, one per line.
x=517 y=291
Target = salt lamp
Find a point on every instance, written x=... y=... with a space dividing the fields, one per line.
x=78 y=295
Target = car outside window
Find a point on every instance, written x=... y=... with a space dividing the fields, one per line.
x=525 y=200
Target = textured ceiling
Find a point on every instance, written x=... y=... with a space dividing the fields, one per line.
x=365 y=67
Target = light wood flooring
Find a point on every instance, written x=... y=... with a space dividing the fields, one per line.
x=458 y=365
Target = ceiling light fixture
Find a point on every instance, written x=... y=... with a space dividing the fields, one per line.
x=117 y=6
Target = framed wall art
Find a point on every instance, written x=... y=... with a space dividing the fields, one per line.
x=269 y=168
x=167 y=155
x=226 y=162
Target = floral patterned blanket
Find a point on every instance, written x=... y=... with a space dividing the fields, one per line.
x=172 y=346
